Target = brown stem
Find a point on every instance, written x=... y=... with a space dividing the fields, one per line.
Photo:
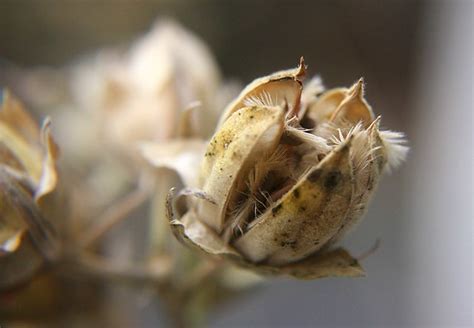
x=112 y=216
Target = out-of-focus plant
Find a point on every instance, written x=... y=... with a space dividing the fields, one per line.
x=108 y=108
x=286 y=174
x=27 y=175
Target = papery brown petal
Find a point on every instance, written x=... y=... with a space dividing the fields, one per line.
x=49 y=176
x=272 y=90
x=13 y=114
x=25 y=148
x=27 y=173
x=324 y=106
x=354 y=108
x=19 y=151
x=342 y=104
x=306 y=217
x=232 y=152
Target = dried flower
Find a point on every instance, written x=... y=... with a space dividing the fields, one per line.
x=27 y=175
x=138 y=95
x=286 y=175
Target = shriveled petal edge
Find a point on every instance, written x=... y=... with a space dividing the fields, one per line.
x=184 y=230
x=49 y=175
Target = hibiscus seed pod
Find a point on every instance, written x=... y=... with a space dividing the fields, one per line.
x=285 y=176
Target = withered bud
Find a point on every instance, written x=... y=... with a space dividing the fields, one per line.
x=286 y=175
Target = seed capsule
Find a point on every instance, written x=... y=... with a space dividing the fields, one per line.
x=285 y=176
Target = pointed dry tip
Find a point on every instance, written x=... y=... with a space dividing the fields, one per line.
x=357 y=90
x=301 y=68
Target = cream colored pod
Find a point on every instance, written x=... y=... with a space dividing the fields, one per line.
x=287 y=173
x=27 y=175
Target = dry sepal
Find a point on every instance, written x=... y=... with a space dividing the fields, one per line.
x=286 y=175
x=27 y=175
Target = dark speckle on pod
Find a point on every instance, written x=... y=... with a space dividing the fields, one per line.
x=314 y=176
x=296 y=193
x=276 y=209
x=332 y=179
x=289 y=243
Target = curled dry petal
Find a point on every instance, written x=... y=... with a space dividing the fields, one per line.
x=27 y=152
x=49 y=177
x=285 y=176
x=279 y=88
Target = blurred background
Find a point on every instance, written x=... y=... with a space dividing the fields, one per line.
x=417 y=60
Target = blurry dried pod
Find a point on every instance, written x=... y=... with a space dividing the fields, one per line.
x=27 y=174
x=107 y=102
x=121 y=98
x=285 y=176
x=139 y=94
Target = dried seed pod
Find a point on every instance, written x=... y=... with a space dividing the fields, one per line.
x=27 y=175
x=283 y=178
